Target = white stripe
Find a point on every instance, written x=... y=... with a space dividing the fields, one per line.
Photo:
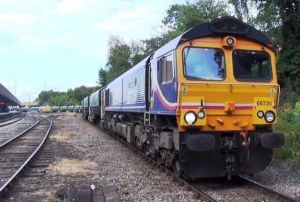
x=245 y=105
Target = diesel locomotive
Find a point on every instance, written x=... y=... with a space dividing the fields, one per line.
x=203 y=104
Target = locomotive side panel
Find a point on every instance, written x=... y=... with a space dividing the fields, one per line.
x=134 y=91
x=127 y=92
x=115 y=95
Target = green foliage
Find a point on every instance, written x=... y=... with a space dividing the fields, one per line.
x=121 y=57
x=268 y=20
x=289 y=60
x=71 y=97
x=241 y=8
x=182 y=17
x=118 y=58
x=289 y=124
x=102 y=77
x=281 y=21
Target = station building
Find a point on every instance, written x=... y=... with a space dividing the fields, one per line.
x=7 y=99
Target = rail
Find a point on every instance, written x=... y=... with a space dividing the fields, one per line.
x=268 y=190
x=28 y=159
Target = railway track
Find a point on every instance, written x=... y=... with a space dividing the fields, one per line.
x=11 y=131
x=12 y=120
x=17 y=152
x=200 y=189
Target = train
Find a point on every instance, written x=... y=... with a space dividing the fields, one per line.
x=203 y=105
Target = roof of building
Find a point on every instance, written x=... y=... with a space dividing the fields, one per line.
x=8 y=97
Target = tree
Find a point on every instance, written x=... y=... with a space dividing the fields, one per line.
x=289 y=57
x=136 y=52
x=121 y=57
x=118 y=58
x=182 y=17
x=102 y=77
x=242 y=10
x=71 y=97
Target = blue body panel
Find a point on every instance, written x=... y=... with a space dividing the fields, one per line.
x=164 y=96
x=127 y=92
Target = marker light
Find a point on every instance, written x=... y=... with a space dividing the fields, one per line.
x=190 y=118
x=201 y=114
x=270 y=116
x=230 y=41
x=260 y=114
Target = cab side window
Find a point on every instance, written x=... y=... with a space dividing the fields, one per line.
x=165 y=69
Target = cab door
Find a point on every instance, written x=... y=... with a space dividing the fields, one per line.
x=166 y=80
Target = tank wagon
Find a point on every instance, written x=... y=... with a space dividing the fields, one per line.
x=70 y=108
x=203 y=104
x=77 y=109
x=54 y=109
x=85 y=107
x=63 y=108
x=95 y=106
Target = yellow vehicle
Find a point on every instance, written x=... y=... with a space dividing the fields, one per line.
x=47 y=109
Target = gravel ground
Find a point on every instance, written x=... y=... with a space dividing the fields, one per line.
x=9 y=131
x=282 y=177
x=134 y=178
x=86 y=155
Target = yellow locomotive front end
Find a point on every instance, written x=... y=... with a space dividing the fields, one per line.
x=226 y=88
x=227 y=104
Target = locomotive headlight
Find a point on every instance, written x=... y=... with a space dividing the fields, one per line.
x=270 y=116
x=201 y=114
x=260 y=114
x=190 y=118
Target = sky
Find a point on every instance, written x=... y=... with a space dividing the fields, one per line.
x=61 y=44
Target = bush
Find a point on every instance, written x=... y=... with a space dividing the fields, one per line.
x=289 y=124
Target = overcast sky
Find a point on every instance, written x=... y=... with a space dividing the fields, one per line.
x=61 y=44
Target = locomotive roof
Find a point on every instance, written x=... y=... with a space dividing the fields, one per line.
x=223 y=26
